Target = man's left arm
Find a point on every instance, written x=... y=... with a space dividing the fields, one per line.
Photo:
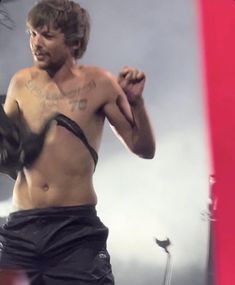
x=132 y=82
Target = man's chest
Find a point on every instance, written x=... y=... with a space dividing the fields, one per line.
x=39 y=102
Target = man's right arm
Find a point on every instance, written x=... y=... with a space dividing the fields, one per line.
x=11 y=106
x=19 y=147
x=12 y=112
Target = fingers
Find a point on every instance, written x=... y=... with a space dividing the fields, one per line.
x=131 y=74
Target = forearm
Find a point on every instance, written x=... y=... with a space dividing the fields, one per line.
x=143 y=141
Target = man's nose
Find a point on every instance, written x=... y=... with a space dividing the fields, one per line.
x=37 y=41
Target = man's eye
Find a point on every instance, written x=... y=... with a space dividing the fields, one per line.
x=31 y=33
x=48 y=36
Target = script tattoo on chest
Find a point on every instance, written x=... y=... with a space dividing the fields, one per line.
x=81 y=103
x=73 y=96
x=78 y=105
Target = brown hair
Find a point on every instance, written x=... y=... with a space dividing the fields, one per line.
x=66 y=15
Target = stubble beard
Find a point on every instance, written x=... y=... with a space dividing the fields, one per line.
x=49 y=66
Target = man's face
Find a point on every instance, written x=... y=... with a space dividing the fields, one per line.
x=48 y=47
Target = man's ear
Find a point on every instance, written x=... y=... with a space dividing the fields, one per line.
x=75 y=45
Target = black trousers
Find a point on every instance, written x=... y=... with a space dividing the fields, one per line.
x=57 y=246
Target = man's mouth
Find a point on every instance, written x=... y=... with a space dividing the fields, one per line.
x=39 y=55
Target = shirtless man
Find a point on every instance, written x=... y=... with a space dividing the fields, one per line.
x=55 y=235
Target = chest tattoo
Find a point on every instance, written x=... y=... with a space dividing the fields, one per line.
x=73 y=96
x=78 y=104
x=33 y=88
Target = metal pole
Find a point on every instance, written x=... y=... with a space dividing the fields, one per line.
x=168 y=270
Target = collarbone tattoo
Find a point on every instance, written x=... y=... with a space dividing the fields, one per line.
x=32 y=86
x=76 y=102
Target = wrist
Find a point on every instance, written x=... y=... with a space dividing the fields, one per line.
x=139 y=102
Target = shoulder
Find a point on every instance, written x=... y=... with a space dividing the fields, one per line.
x=19 y=81
x=14 y=92
x=100 y=75
x=106 y=82
x=22 y=76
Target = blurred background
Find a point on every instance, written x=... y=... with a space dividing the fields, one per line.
x=140 y=200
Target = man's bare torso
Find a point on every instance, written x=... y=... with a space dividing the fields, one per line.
x=62 y=175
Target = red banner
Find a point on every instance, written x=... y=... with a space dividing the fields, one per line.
x=217 y=20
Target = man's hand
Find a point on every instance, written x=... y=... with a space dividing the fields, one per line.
x=19 y=148
x=132 y=82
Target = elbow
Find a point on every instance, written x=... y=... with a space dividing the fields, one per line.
x=146 y=152
x=149 y=155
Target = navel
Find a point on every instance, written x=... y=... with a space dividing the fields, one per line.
x=45 y=187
